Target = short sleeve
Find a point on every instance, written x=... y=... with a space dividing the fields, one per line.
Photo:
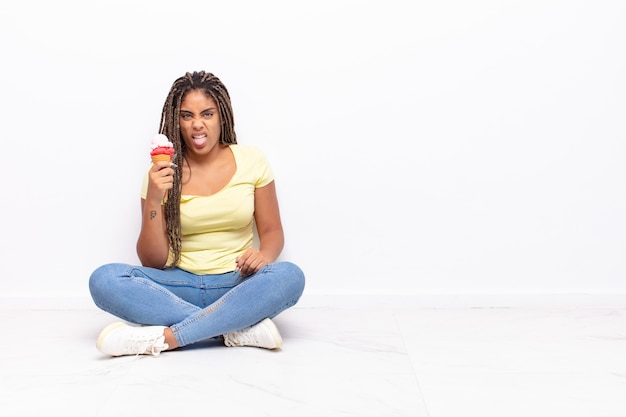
x=144 y=185
x=262 y=167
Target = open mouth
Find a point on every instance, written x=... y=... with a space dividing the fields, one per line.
x=199 y=140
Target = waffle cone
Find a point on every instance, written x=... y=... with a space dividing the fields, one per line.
x=161 y=157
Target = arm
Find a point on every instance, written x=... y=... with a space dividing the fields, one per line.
x=269 y=228
x=152 y=244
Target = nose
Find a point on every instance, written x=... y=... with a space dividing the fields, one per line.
x=196 y=123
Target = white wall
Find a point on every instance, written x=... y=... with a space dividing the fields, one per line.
x=470 y=147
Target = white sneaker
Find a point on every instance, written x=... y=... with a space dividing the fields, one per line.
x=119 y=339
x=264 y=334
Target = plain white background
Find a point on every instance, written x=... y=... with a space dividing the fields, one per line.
x=420 y=147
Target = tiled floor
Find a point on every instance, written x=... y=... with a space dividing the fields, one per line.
x=335 y=362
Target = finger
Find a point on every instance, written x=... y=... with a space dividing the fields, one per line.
x=162 y=164
x=246 y=269
x=255 y=264
x=243 y=258
x=158 y=166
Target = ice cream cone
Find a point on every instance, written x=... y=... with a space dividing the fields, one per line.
x=161 y=157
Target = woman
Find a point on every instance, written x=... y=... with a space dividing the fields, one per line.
x=201 y=277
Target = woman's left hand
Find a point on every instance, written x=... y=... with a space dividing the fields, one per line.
x=250 y=262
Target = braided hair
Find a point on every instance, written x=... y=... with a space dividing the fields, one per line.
x=170 y=127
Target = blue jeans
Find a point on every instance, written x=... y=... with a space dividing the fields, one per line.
x=195 y=307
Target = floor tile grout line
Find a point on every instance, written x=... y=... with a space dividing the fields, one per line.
x=406 y=349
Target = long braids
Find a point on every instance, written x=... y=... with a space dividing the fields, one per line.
x=170 y=127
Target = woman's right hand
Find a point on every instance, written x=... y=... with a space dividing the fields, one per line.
x=160 y=180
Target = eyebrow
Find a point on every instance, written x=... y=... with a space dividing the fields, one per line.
x=213 y=109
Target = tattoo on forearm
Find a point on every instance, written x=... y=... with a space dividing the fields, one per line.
x=152 y=214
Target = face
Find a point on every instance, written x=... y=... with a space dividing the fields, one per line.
x=199 y=122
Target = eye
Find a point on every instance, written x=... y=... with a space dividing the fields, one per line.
x=185 y=116
x=208 y=115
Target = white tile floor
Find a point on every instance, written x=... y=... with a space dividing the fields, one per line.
x=335 y=362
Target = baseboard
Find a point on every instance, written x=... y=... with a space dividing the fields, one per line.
x=338 y=299
x=387 y=300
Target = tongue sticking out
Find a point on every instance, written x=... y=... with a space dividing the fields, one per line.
x=199 y=141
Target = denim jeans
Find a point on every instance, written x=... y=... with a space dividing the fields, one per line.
x=195 y=307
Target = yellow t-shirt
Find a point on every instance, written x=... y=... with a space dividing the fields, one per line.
x=216 y=229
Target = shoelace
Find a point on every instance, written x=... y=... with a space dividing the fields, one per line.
x=244 y=336
x=154 y=346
